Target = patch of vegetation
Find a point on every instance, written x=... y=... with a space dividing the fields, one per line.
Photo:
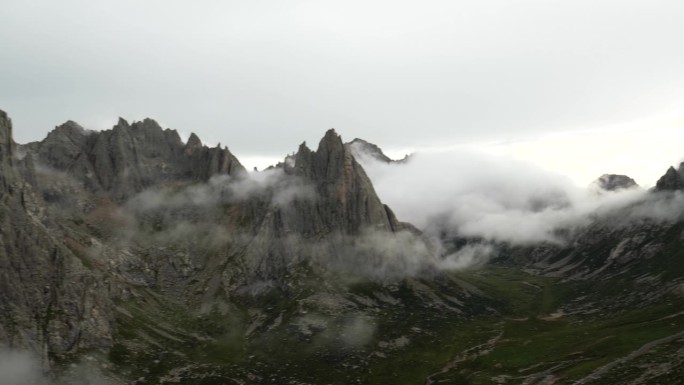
x=519 y=326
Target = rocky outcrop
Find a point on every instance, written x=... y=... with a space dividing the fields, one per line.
x=343 y=187
x=207 y=162
x=333 y=204
x=614 y=182
x=672 y=180
x=90 y=219
x=363 y=149
x=130 y=157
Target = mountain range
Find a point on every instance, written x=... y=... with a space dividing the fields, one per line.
x=131 y=257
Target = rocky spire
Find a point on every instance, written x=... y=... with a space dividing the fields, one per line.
x=350 y=200
x=194 y=144
x=672 y=180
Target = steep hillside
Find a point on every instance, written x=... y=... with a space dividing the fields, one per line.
x=52 y=302
x=130 y=257
x=198 y=270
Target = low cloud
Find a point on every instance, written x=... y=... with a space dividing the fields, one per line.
x=663 y=207
x=467 y=256
x=380 y=255
x=448 y=194
x=476 y=195
x=348 y=331
x=280 y=187
x=19 y=367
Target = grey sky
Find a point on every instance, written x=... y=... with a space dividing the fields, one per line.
x=262 y=76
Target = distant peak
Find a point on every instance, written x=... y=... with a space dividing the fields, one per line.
x=361 y=148
x=122 y=122
x=194 y=144
x=151 y=123
x=194 y=141
x=70 y=124
x=614 y=182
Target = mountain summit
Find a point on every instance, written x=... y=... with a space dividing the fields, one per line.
x=128 y=158
x=361 y=148
x=343 y=185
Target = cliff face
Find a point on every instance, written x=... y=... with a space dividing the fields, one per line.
x=135 y=216
x=343 y=188
x=130 y=157
x=51 y=303
x=333 y=220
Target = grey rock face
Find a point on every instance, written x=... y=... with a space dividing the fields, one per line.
x=51 y=303
x=324 y=224
x=130 y=157
x=614 y=182
x=343 y=186
x=672 y=180
x=64 y=262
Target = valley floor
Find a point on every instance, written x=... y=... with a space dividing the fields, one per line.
x=559 y=333
x=529 y=330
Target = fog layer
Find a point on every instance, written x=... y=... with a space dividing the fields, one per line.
x=474 y=194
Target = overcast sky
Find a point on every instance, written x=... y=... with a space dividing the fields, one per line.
x=263 y=76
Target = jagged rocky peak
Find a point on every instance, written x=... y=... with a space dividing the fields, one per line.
x=672 y=180
x=69 y=129
x=68 y=134
x=194 y=144
x=361 y=148
x=614 y=182
x=128 y=158
x=343 y=186
x=121 y=123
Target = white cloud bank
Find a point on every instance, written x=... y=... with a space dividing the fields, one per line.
x=495 y=197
